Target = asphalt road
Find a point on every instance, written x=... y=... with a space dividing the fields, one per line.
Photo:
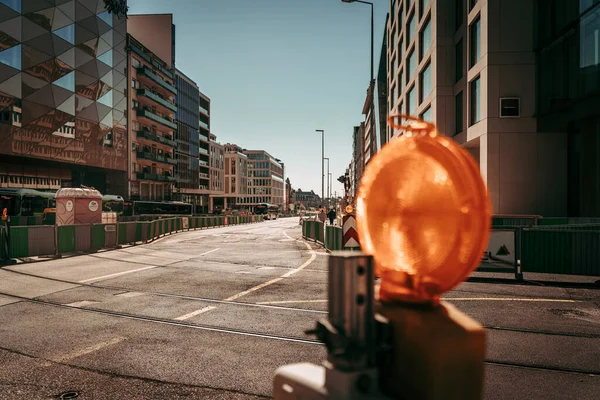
x=212 y=313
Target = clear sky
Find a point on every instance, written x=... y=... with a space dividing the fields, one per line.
x=277 y=70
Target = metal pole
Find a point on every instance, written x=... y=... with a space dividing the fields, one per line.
x=322 y=165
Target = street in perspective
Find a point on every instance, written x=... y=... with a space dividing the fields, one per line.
x=212 y=200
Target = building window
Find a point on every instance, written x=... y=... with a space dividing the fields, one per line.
x=393 y=97
x=472 y=4
x=410 y=32
x=475 y=95
x=411 y=101
x=422 y=6
x=459 y=57
x=135 y=62
x=475 y=40
x=425 y=38
x=426 y=115
x=393 y=66
x=459 y=11
x=412 y=65
x=400 y=82
x=400 y=50
x=425 y=82
x=458 y=113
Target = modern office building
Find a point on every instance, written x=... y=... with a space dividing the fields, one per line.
x=217 y=173
x=63 y=79
x=152 y=126
x=513 y=81
x=265 y=179
x=188 y=168
x=358 y=157
x=381 y=91
x=204 y=150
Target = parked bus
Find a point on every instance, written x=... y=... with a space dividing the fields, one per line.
x=156 y=208
x=33 y=203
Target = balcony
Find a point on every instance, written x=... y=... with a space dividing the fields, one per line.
x=204 y=163
x=147 y=113
x=203 y=151
x=155 y=177
x=156 y=98
x=147 y=72
x=146 y=155
x=203 y=175
x=156 y=138
x=203 y=110
x=203 y=125
x=203 y=137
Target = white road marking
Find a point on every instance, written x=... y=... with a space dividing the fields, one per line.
x=98 y=278
x=293 y=301
x=272 y=281
x=89 y=350
x=81 y=303
x=444 y=299
x=194 y=313
x=507 y=299
x=134 y=270
x=245 y=292
x=208 y=252
x=130 y=294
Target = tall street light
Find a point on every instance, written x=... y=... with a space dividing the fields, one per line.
x=372 y=80
x=371 y=4
x=327 y=192
x=322 y=163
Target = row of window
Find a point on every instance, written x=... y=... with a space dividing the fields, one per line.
x=29 y=180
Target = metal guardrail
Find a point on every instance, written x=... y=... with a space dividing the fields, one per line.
x=33 y=241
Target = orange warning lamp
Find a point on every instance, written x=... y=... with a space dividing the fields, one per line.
x=423 y=212
x=349 y=209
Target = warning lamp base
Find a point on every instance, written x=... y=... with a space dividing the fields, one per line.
x=437 y=353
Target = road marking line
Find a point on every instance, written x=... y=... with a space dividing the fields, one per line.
x=245 y=292
x=272 y=281
x=293 y=301
x=506 y=299
x=82 y=303
x=89 y=350
x=134 y=270
x=445 y=299
x=130 y=294
x=194 y=313
x=117 y=274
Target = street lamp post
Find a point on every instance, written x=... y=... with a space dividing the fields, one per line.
x=322 y=163
x=327 y=192
x=372 y=79
x=329 y=186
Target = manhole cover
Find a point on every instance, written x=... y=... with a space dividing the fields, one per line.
x=68 y=395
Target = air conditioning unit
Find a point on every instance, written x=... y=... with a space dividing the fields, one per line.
x=510 y=107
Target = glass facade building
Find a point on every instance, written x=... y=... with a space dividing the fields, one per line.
x=568 y=97
x=63 y=79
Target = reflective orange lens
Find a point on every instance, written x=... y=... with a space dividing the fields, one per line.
x=424 y=214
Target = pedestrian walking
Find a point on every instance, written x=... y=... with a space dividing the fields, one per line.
x=331 y=215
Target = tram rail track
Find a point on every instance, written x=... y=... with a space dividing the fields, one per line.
x=318 y=313
x=291 y=339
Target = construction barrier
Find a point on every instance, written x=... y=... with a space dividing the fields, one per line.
x=333 y=238
x=561 y=251
x=41 y=240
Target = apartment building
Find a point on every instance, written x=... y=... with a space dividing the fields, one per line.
x=151 y=94
x=265 y=180
x=236 y=177
x=62 y=97
x=217 y=171
x=507 y=80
